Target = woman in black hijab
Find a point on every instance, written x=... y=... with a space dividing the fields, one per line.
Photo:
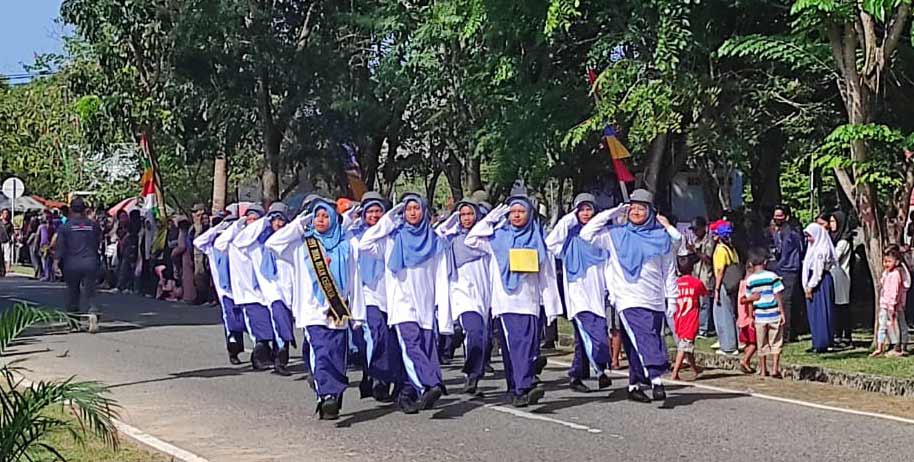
x=837 y=225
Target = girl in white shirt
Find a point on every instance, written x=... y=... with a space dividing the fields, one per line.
x=413 y=256
x=469 y=290
x=312 y=302
x=585 y=293
x=517 y=295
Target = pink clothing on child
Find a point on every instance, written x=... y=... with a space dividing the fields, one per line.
x=895 y=285
x=743 y=310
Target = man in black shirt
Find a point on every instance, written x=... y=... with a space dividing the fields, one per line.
x=77 y=254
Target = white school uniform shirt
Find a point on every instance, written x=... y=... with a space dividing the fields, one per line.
x=272 y=290
x=204 y=242
x=289 y=246
x=534 y=289
x=375 y=294
x=656 y=287
x=417 y=294
x=587 y=294
x=471 y=292
x=241 y=270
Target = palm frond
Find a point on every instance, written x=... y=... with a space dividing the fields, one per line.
x=14 y=321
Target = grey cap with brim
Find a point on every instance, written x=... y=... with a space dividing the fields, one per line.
x=642 y=195
x=584 y=198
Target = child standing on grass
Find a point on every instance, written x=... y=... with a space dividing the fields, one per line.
x=745 y=324
x=685 y=320
x=895 y=284
x=763 y=290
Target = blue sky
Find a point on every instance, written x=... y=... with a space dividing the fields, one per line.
x=28 y=27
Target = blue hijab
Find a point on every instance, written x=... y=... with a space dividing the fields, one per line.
x=370 y=268
x=579 y=255
x=529 y=236
x=336 y=248
x=458 y=252
x=268 y=261
x=413 y=244
x=636 y=244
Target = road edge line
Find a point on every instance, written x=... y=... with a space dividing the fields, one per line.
x=144 y=439
x=753 y=394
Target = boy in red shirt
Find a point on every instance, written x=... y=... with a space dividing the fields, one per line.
x=691 y=289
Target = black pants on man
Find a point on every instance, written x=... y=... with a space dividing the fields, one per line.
x=794 y=306
x=80 y=283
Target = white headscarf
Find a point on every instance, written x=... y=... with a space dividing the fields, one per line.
x=820 y=255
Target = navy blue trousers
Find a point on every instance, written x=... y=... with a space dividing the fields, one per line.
x=420 y=358
x=591 y=345
x=644 y=346
x=329 y=354
x=475 y=344
x=520 y=346
x=259 y=322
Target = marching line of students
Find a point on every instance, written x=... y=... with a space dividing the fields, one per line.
x=382 y=281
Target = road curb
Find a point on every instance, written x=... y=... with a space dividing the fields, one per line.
x=891 y=386
x=141 y=438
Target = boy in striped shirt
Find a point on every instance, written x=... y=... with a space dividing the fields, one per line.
x=763 y=289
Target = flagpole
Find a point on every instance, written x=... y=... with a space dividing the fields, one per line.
x=622 y=186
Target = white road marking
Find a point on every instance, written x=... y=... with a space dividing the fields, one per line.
x=541 y=418
x=145 y=439
x=753 y=394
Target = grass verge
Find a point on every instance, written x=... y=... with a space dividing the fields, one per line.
x=94 y=449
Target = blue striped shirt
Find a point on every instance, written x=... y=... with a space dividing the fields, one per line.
x=766 y=284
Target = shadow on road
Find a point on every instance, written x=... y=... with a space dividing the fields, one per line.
x=121 y=312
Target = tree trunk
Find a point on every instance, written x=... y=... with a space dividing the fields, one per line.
x=474 y=174
x=220 y=175
x=452 y=172
x=653 y=168
x=431 y=184
x=370 y=162
x=271 y=142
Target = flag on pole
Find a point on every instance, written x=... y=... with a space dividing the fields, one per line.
x=622 y=173
x=357 y=186
x=148 y=182
x=616 y=149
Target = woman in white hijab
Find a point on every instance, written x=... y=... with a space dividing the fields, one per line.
x=819 y=286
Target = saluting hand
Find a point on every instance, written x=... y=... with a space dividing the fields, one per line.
x=497 y=213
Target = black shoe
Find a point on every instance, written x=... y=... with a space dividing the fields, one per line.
x=658 y=392
x=539 y=364
x=280 y=365
x=535 y=395
x=469 y=387
x=233 y=359
x=637 y=395
x=281 y=370
x=407 y=404
x=366 y=387
x=521 y=401
x=429 y=397
x=381 y=392
x=548 y=346
x=329 y=408
x=490 y=369
x=261 y=357
x=605 y=381
x=578 y=386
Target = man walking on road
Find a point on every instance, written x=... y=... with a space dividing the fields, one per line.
x=78 y=257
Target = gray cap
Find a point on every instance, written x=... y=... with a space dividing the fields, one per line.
x=480 y=195
x=584 y=197
x=231 y=211
x=278 y=207
x=256 y=208
x=372 y=196
x=642 y=195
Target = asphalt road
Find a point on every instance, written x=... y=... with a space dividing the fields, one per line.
x=167 y=367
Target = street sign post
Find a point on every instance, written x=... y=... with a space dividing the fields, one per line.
x=13 y=188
